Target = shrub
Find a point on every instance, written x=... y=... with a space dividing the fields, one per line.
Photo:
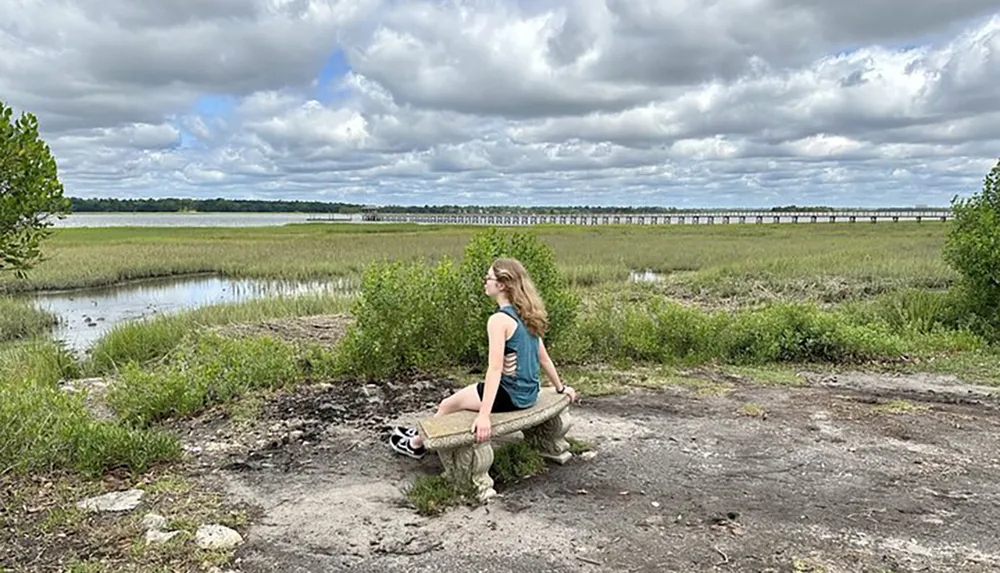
x=539 y=260
x=973 y=249
x=408 y=316
x=801 y=333
x=413 y=316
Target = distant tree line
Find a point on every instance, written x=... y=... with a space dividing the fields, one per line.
x=219 y=205
x=172 y=205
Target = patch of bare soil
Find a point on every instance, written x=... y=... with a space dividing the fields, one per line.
x=325 y=330
x=290 y=429
x=855 y=473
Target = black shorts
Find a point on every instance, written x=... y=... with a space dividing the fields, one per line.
x=502 y=403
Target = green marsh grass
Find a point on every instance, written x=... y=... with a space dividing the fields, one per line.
x=43 y=428
x=209 y=370
x=834 y=261
x=20 y=320
x=144 y=342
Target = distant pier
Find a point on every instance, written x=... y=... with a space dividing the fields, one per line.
x=712 y=218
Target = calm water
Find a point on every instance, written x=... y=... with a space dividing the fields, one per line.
x=88 y=314
x=194 y=219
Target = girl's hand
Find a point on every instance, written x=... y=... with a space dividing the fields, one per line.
x=482 y=428
x=569 y=391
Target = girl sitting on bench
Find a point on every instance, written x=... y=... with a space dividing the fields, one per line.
x=516 y=354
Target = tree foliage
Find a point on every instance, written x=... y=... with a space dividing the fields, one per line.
x=973 y=249
x=30 y=191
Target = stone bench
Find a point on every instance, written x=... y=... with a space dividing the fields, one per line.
x=465 y=462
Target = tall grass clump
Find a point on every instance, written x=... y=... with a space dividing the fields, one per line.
x=42 y=360
x=417 y=316
x=20 y=320
x=43 y=428
x=208 y=369
x=148 y=341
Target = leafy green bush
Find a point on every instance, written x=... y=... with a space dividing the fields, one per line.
x=666 y=332
x=802 y=333
x=408 y=316
x=413 y=316
x=973 y=249
x=539 y=260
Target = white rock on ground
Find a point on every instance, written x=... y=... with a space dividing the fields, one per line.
x=114 y=501
x=159 y=536
x=154 y=521
x=217 y=537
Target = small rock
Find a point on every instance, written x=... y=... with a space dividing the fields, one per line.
x=296 y=435
x=652 y=521
x=154 y=521
x=217 y=537
x=589 y=455
x=157 y=536
x=114 y=501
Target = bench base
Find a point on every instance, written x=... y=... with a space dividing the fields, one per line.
x=469 y=465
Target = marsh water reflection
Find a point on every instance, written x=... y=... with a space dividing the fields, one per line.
x=88 y=314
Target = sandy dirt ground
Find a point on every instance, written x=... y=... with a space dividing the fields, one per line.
x=849 y=473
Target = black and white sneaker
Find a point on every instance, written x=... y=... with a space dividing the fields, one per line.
x=402 y=446
x=405 y=432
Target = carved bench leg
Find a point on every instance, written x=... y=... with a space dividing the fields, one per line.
x=549 y=438
x=470 y=466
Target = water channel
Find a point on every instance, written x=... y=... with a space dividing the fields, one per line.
x=85 y=315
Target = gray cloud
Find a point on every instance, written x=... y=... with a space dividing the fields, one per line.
x=693 y=102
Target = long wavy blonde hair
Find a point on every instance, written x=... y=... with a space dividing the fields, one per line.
x=522 y=294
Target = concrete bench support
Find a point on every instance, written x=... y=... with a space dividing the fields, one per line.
x=467 y=463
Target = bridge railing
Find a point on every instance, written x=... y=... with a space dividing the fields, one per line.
x=704 y=218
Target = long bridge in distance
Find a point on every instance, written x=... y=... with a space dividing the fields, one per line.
x=689 y=218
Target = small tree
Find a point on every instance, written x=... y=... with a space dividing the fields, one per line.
x=973 y=249
x=30 y=192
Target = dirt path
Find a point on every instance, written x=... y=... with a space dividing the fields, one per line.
x=849 y=474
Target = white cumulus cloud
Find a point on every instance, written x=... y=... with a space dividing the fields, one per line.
x=643 y=102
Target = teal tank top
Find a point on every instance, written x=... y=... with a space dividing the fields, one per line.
x=519 y=376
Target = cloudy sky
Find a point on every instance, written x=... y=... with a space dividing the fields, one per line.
x=532 y=102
